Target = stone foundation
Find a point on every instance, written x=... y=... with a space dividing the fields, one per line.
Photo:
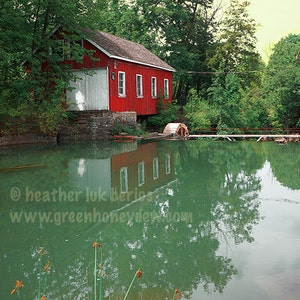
x=86 y=125
x=126 y=117
x=81 y=125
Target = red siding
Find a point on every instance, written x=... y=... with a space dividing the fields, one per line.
x=99 y=60
x=145 y=105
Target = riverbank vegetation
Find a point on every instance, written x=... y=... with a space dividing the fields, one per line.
x=220 y=82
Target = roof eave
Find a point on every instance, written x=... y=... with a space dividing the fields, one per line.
x=143 y=63
x=98 y=47
x=128 y=60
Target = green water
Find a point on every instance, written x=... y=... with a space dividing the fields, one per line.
x=216 y=220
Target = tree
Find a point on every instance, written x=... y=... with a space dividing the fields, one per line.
x=235 y=49
x=34 y=98
x=13 y=43
x=236 y=64
x=254 y=109
x=199 y=113
x=225 y=96
x=281 y=83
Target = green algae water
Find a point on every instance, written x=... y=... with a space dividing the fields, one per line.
x=215 y=220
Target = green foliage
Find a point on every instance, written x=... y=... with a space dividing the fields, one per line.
x=281 y=84
x=167 y=115
x=254 y=109
x=225 y=96
x=235 y=50
x=33 y=99
x=200 y=115
x=50 y=116
x=120 y=127
x=44 y=118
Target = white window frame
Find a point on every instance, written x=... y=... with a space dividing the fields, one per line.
x=124 y=180
x=155 y=168
x=139 y=85
x=168 y=163
x=154 y=87
x=122 y=87
x=141 y=173
x=166 y=88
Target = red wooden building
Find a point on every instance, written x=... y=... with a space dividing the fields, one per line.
x=125 y=76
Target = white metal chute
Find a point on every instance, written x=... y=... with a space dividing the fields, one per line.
x=178 y=129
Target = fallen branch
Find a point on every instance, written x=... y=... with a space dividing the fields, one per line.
x=16 y=168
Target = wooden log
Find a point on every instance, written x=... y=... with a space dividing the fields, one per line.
x=22 y=167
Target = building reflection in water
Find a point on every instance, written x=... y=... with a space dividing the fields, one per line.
x=123 y=177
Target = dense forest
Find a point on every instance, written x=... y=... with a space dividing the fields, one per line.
x=220 y=82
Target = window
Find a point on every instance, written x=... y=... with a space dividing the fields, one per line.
x=123 y=180
x=141 y=173
x=121 y=84
x=168 y=163
x=153 y=87
x=57 y=50
x=155 y=167
x=166 y=88
x=64 y=49
x=139 y=86
x=73 y=50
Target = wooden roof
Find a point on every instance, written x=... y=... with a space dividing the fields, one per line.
x=119 y=48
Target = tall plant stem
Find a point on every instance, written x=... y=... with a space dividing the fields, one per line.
x=135 y=275
x=100 y=285
x=174 y=295
x=40 y=275
x=177 y=295
x=45 y=282
x=95 y=275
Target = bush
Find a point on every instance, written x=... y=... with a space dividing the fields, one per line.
x=165 y=115
x=50 y=117
x=120 y=127
x=30 y=117
x=198 y=113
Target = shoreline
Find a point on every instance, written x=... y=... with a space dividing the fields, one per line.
x=30 y=138
x=36 y=139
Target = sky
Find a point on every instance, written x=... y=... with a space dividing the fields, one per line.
x=277 y=19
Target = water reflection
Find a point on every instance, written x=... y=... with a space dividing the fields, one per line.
x=164 y=207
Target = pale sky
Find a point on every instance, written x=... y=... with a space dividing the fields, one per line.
x=277 y=19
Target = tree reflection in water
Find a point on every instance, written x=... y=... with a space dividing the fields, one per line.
x=215 y=183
